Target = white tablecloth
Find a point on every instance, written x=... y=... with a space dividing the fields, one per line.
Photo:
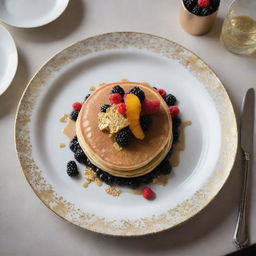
x=27 y=227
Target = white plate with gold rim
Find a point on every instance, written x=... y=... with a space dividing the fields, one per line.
x=31 y=13
x=205 y=163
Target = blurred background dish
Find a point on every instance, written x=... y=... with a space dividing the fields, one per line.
x=31 y=13
x=8 y=59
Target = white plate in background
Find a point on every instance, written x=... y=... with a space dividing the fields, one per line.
x=210 y=142
x=31 y=13
x=8 y=59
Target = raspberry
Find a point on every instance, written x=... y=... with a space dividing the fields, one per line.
x=174 y=110
x=115 y=98
x=147 y=193
x=121 y=108
x=150 y=107
x=162 y=92
x=77 y=106
x=203 y=3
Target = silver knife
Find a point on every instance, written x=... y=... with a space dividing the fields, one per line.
x=241 y=236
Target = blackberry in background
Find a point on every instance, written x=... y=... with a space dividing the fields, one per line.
x=145 y=122
x=189 y=4
x=73 y=115
x=170 y=100
x=87 y=96
x=74 y=145
x=80 y=157
x=104 y=107
x=72 y=169
x=118 y=89
x=138 y=92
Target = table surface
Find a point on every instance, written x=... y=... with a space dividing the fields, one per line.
x=27 y=226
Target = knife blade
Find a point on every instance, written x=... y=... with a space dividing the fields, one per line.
x=247 y=121
x=241 y=236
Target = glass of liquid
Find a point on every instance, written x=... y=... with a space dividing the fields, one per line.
x=239 y=28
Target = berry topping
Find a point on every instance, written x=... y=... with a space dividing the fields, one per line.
x=104 y=107
x=176 y=122
x=72 y=169
x=203 y=3
x=196 y=10
x=133 y=107
x=73 y=115
x=138 y=92
x=145 y=122
x=118 y=89
x=174 y=110
x=115 y=98
x=162 y=92
x=121 y=108
x=124 y=137
x=170 y=100
x=74 y=145
x=87 y=96
x=150 y=107
x=77 y=106
x=147 y=193
x=189 y=4
x=80 y=157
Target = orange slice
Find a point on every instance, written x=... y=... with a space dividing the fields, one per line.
x=133 y=107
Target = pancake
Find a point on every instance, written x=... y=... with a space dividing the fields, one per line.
x=141 y=156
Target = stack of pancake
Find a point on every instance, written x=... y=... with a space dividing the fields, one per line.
x=141 y=156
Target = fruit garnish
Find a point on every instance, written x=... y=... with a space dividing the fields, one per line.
x=124 y=137
x=138 y=92
x=77 y=106
x=150 y=107
x=133 y=107
x=203 y=3
x=118 y=89
x=170 y=99
x=121 y=108
x=174 y=110
x=104 y=107
x=147 y=193
x=162 y=92
x=115 y=98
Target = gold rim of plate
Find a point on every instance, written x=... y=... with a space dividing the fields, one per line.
x=122 y=40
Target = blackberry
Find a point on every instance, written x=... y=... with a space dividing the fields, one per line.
x=124 y=137
x=207 y=11
x=170 y=99
x=165 y=167
x=118 y=89
x=145 y=122
x=176 y=122
x=196 y=10
x=72 y=169
x=104 y=107
x=80 y=157
x=154 y=88
x=138 y=92
x=189 y=4
x=87 y=96
x=90 y=164
x=175 y=137
x=73 y=115
x=74 y=145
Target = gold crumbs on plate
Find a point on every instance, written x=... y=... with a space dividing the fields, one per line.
x=161 y=180
x=62 y=145
x=98 y=182
x=113 y=191
x=92 y=88
x=64 y=118
x=90 y=174
x=112 y=121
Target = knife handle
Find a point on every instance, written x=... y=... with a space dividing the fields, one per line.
x=240 y=238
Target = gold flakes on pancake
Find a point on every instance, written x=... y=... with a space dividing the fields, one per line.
x=117 y=147
x=112 y=121
x=113 y=191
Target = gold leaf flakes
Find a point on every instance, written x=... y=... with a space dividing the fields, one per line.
x=112 y=120
x=64 y=118
x=92 y=88
x=90 y=174
x=113 y=191
x=62 y=145
x=117 y=147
